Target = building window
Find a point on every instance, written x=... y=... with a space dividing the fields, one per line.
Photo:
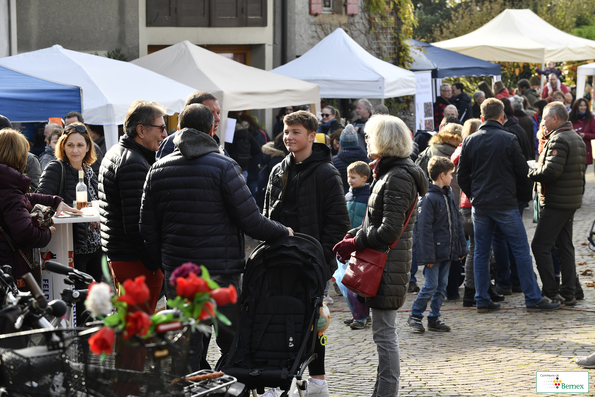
x=206 y=13
x=327 y=6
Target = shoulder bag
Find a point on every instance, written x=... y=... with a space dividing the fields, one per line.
x=365 y=269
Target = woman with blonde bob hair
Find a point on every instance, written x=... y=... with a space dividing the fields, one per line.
x=393 y=194
x=75 y=152
x=18 y=230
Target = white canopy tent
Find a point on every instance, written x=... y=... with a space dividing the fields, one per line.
x=343 y=69
x=520 y=36
x=236 y=86
x=581 y=74
x=108 y=86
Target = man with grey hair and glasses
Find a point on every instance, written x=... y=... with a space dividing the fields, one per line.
x=441 y=102
x=364 y=110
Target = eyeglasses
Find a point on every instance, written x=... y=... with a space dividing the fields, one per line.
x=161 y=127
x=79 y=128
x=325 y=115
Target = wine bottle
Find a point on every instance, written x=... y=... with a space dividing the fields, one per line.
x=81 y=191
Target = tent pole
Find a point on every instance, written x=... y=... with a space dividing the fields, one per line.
x=542 y=77
x=382 y=101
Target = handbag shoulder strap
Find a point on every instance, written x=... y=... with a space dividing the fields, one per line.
x=393 y=245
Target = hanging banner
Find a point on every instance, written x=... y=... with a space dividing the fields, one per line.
x=424 y=105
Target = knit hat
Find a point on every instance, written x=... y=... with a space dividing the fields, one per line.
x=348 y=137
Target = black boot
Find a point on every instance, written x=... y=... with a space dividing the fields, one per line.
x=495 y=297
x=578 y=290
x=469 y=297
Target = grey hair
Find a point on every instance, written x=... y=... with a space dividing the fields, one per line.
x=452 y=107
x=557 y=109
x=367 y=105
x=443 y=86
x=388 y=136
x=516 y=102
x=477 y=94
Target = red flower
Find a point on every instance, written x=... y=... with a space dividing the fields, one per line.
x=225 y=296
x=208 y=310
x=136 y=291
x=190 y=286
x=138 y=323
x=102 y=341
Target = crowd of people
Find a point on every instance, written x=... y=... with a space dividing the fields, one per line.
x=168 y=200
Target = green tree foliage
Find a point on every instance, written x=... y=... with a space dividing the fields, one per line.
x=586 y=30
x=446 y=19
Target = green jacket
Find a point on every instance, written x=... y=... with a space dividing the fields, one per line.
x=561 y=170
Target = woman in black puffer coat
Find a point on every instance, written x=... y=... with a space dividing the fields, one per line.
x=397 y=183
x=75 y=152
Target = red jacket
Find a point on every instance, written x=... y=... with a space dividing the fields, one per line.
x=455 y=157
x=587 y=128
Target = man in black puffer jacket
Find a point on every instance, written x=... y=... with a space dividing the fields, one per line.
x=196 y=207
x=559 y=174
x=121 y=179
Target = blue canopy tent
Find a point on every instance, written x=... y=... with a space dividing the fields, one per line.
x=445 y=63
x=24 y=98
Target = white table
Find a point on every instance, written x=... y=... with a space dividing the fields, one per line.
x=61 y=250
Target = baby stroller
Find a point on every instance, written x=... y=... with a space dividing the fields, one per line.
x=281 y=298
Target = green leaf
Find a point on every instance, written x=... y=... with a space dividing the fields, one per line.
x=113 y=320
x=222 y=318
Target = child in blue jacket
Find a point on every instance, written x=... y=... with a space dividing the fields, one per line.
x=357 y=201
x=440 y=240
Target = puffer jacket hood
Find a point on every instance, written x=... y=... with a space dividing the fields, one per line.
x=193 y=143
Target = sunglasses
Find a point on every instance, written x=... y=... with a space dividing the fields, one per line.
x=78 y=128
x=326 y=115
x=161 y=127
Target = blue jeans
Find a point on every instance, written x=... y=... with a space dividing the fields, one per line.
x=507 y=275
x=511 y=225
x=384 y=330
x=433 y=291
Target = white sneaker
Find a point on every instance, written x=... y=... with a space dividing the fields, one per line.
x=586 y=362
x=314 y=390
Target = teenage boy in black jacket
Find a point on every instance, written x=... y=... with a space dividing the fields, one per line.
x=305 y=193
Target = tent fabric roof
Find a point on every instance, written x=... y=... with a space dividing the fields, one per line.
x=582 y=72
x=445 y=63
x=520 y=36
x=109 y=86
x=236 y=86
x=343 y=69
x=25 y=98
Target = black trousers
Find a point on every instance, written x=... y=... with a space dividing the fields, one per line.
x=554 y=229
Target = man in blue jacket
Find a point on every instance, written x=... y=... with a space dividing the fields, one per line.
x=196 y=208
x=490 y=168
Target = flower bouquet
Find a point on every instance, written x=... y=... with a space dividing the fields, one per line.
x=125 y=315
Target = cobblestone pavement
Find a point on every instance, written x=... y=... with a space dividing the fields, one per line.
x=491 y=354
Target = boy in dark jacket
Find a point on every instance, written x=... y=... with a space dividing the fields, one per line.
x=440 y=240
x=305 y=192
x=357 y=203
